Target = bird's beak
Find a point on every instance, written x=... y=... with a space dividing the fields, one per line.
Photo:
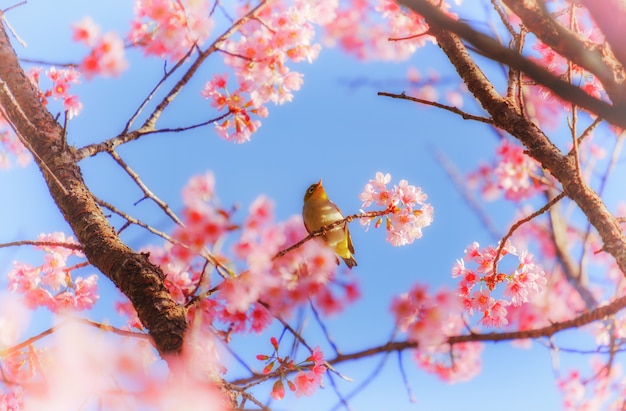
x=319 y=183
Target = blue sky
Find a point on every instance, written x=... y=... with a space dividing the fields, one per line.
x=332 y=130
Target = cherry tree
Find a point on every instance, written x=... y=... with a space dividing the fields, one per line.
x=546 y=78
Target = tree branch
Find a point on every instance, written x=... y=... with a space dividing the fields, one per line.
x=463 y=114
x=493 y=50
x=548 y=331
x=595 y=58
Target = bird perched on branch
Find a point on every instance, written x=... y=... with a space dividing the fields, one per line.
x=318 y=211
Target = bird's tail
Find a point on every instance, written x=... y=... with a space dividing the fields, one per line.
x=350 y=262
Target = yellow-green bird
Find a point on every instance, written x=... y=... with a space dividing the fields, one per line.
x=318 y=211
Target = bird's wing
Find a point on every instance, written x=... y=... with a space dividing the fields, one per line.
x=350 y=246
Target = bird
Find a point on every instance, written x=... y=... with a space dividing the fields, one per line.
x=317 y=212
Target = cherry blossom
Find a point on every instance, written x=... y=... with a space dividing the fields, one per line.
x=238 y=126
x=307 y=379
x=51 y=284
x=477 y=286
x=86 y=31
x=514 y=174
x=11 y=147
x=87 y=365
x=359 y=30
x=406 y=221
x=168 y=28
x=62 y=80
x=428 y=319
x=603 y=391
x=107 y=57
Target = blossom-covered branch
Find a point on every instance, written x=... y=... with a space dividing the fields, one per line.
x=492 y=49
x=325 y=229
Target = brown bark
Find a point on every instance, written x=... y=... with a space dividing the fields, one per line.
x=595 y=58
x=131 y=272
x=492 y=49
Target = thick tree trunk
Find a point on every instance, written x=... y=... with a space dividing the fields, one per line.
x=131 y=272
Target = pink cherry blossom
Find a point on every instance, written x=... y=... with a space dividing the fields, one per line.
x=14 y=320
x=51 y=284
x=478 y=286
x=358 y=29
x=307 y=382
x=514 y=174
x=169 y=28
x=427 y=319
x=405 y=222
x=11 y=147
x=199 y=189
x=238 y=126
x=86 y=31
x=461 y=362
x=62 y=80
x=12 y=400
x=107 y=57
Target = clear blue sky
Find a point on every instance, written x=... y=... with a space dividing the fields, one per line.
x=332 y=130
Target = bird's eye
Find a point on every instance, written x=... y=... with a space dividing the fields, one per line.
x=311 y=189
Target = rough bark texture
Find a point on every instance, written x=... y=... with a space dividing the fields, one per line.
x=131 y=272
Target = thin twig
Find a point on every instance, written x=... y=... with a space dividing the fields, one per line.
x=329 y=338
x=45 y=333
x=411 y=37
x=72 y=246
x=405 y=380
x=110 y=144
x=519 y=223
x=603 y=182
x=246 y=395
x=325 y=229
x=156 y=88
x=463 y=114
x=146 y=191
x=461 y=185
x=135 y=221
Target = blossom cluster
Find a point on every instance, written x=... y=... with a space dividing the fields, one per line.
x=238 y=125
x=107 y=56
x=360 y=31
x=169 y=28
x=477 y=285
x=259 y=56
x=514 y=173
x=62 y=80
x=429 y=319
x=309 y=372
x=604 y=389
x=405 y=222
x=51 y=284
x=10 y=146
x=87 y=366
